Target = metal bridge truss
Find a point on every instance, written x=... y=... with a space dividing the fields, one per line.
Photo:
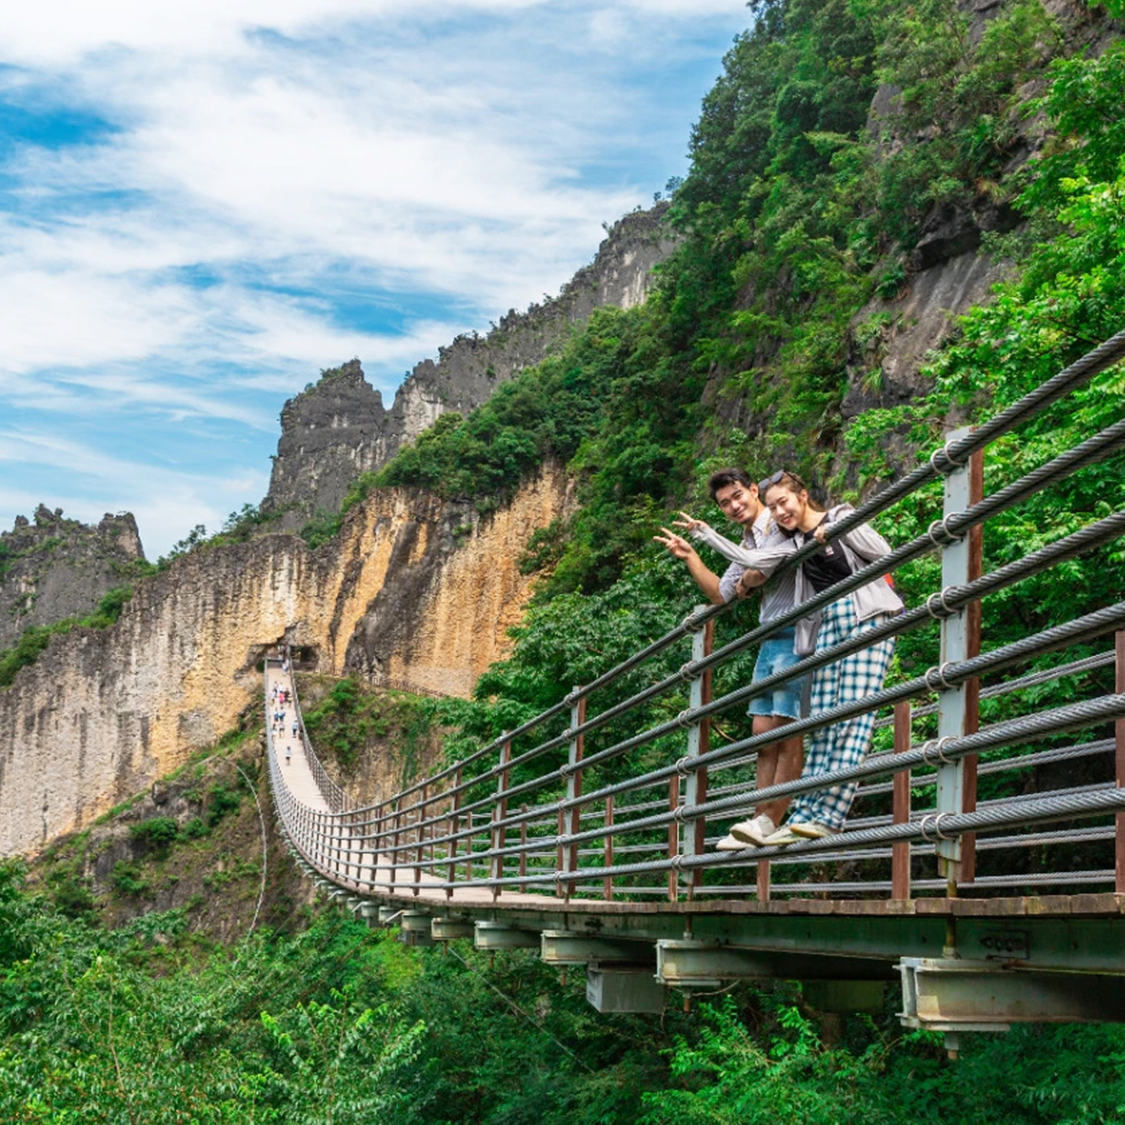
x=581 y=836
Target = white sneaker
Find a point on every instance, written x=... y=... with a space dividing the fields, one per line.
x=754 y=831
x=732 y=844
x=784 y=835
x=810 y=830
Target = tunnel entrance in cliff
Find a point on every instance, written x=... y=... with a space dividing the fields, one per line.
x=305 y=658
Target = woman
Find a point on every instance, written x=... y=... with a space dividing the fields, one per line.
x=842 y=745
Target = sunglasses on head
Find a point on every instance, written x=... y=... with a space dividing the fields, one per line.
x=777 y=478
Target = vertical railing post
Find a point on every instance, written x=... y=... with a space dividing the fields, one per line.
x=952 y=700
x=1119 y=762
x=607 y=858
x=900 y=852
x=470 y=843
x=566 y=858
x=396 y=832
x=500 y=812
x=694 y=832
x=523 y=852
x=673 y=838
x=574 y=783
x=972 y=687
x=419 y=836
x=560 y=852
x=454 y=822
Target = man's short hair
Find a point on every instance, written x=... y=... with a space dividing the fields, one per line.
x=725 y=477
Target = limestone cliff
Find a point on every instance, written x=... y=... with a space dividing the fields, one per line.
x=56 y=567
x=105 y=712
x=339 y=427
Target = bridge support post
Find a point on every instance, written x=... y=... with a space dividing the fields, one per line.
x=953 y=995
x=694 y=832
x=960 y=640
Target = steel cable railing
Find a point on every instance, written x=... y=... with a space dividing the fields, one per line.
x=951 y=456
x=427 y=838
x=950 y=600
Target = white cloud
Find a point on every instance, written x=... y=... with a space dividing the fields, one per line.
x=165 y=501
x=275 y=173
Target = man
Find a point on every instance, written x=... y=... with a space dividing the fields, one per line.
x=738 y=499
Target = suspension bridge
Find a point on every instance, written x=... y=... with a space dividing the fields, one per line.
x=589 y=836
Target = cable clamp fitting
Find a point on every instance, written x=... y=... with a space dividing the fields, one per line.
x=938 y=833
x=944 y=462
x=689 y=672
x=692 y=624
x=937 y=747
x=939 y=534
x=559 y=841
x=683 y=720
x=676 y=862
x=946 y=609
x=939 y=673
x=679 y=814
x=682 y=765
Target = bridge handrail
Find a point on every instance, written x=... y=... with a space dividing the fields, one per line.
x=955 y=526
x=402 y=824
x=951 y=456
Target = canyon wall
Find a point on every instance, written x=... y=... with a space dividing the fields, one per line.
x=413 y=590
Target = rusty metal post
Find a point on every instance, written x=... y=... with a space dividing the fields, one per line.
x=523 y=854
x=454 y=823
x=498 y=835
x=900 y=852
x=574 y=784
x=1119 y=758
x=419 y=848
x=607 y=882
x=396 y=832
x=694 y=834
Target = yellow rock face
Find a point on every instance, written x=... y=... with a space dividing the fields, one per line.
x=413 y=592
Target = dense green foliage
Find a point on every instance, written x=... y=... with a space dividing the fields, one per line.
x=328 y=1022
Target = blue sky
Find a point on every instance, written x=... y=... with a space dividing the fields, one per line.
x=205 y=202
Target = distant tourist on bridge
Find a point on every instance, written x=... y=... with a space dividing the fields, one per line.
x=738 y=499
x=858 y=675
